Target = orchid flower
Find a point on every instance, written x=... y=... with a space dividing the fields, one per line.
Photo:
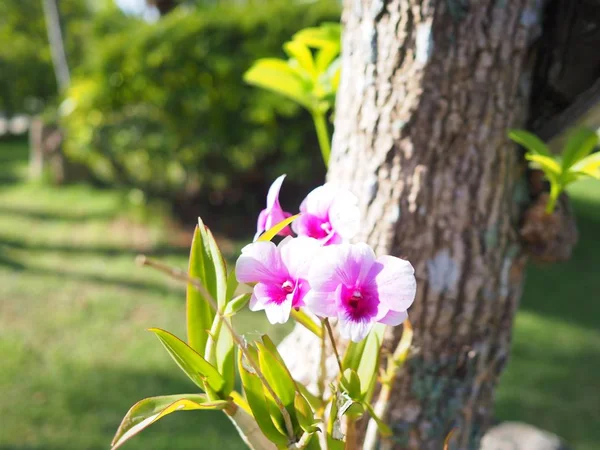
x=272 y=214
x=329 y=214
x=280 y=274
x=347 y=282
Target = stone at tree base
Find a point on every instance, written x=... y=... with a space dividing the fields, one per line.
x=520 y=436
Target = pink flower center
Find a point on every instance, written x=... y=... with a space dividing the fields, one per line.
x=326 y=227
x=358 y=304
x=288 y=287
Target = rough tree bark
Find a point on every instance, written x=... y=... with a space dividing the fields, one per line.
x=428 y=91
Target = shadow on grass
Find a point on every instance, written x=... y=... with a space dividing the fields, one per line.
x=103 y=250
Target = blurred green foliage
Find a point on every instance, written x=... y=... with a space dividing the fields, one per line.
x=27 y=82
x=163 y=107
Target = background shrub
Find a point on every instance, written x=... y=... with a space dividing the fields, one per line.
x=165 y=109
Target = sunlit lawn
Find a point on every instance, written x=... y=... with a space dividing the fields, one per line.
x=74 y=353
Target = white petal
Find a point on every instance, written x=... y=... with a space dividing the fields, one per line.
x=344 y=214
x=319 y=200
x=395 y=282
x=355 y=331
x=298 y=254
x=260 y=262
x=256 y=304
x=394 y=318
x=278 y=313
x=323 y=275
x=273 y=194
x=321 y=303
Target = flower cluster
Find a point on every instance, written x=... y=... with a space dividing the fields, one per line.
x=320 y=270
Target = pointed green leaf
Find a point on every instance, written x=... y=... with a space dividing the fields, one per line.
x=304 y=413
x=207 y=265
x=232 y=285
x=548 y=165
x=278 y=375
x=351 y=383
x=272 y=232
x=384 y=430
x=369 y=363
x=325 y=57
x=580 y=143
x=223 y=355
x=276 y=75
x=192 y=363
x=236 y=304
x=302 y=55
x=327 y=34
x=530 y=141
x=589 y=166
x=315 y=402
x=258 y=403
x=145 y=412
x=353 y=354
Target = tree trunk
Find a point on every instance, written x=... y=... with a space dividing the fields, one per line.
x=428 y=91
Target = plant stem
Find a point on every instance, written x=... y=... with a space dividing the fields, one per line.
x=554 y=193
x=322 y=365
x=335 y=350
x=322 y=134
x=180 y=275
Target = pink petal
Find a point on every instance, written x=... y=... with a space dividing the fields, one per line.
x=321 y=304
x=354 y=330
x=394 y=318
x=260 y=262
x=278 y=313
x=261 y=224
x=395 y=282
x=267 y=293
x=298 y=254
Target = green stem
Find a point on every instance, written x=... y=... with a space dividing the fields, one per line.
x=322 y=134
x=554 y=193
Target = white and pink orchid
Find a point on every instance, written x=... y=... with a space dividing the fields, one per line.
x=330 y=214
x=348 y=283
x=280 y=273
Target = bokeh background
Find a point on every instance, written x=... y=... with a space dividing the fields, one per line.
x=155 y=128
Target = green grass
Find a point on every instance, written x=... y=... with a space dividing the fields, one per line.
x=553 y=377
x=74 y=353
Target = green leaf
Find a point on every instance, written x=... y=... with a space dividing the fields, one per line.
x=369 y=363
x=304 y=319
x=304 y=413
x=325 y=57
x=314 y=401
x=191 y=362
x=207 y=265
x=351 y=383
x=327 y=34
x=277 y=374
x=272 y=232
x=232 y=285
x=225 y=357
x=145 y=412
x=384 y=430
x=580 y=143
x=258 y=403
x=548 y=165
x=353 y=354
x=300 y=53
x=588 y=166
x=236 y=304
x=278 y=76
x=530 y=141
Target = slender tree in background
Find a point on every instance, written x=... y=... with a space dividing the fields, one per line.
x=428 y=92
x=57 y=46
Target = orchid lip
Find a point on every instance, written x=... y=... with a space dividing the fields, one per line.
x=288 y=286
